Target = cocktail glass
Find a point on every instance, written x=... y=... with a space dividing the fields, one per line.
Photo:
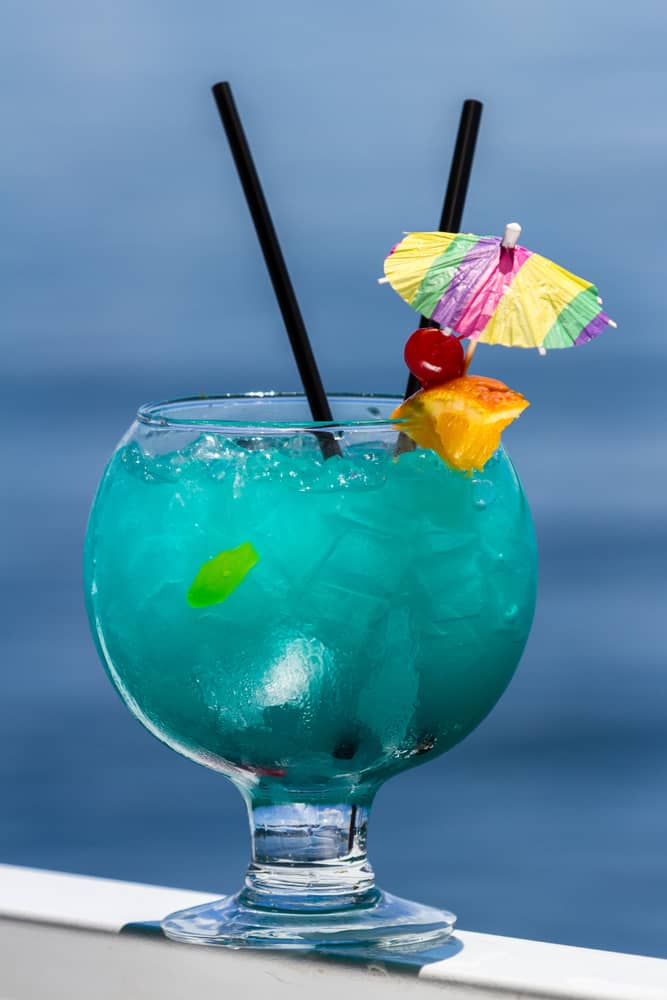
x=385 y=615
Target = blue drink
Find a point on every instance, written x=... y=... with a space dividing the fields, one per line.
x=385 y=615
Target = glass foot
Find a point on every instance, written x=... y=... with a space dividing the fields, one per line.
x=389 y=923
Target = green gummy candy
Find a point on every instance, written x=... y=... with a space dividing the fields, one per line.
x=220 y=576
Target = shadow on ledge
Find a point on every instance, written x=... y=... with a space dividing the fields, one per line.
x=406 y=962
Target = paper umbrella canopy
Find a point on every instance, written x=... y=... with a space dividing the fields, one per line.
x=493 y=291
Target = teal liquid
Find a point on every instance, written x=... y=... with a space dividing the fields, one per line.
x=387 y=612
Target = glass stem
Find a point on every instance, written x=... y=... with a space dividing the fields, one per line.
x=309 y=857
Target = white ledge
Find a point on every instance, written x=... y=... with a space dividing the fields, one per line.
x=51 y=946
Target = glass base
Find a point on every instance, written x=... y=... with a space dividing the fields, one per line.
x=389 y=923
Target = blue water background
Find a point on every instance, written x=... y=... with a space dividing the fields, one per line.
x=129 y=271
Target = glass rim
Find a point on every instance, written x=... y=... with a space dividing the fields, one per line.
x=159 y=414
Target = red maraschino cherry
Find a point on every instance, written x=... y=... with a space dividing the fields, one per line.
x=434 y=357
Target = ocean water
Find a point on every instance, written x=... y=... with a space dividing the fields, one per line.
x=549 y=821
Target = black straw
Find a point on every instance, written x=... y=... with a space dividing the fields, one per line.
x=457 y=187
x=275 y=263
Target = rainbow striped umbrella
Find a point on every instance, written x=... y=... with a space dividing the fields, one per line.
x=493 y=291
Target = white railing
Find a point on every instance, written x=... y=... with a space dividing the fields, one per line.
x=70 y=937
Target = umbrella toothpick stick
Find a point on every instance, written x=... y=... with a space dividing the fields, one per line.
x=509 y=241
x=472 y=347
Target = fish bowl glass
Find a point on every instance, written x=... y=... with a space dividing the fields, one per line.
x=308 y=610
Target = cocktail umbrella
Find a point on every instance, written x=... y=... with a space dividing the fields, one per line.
x=493 y=291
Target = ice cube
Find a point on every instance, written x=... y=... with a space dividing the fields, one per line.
x=292 y=676
x=449 y=584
